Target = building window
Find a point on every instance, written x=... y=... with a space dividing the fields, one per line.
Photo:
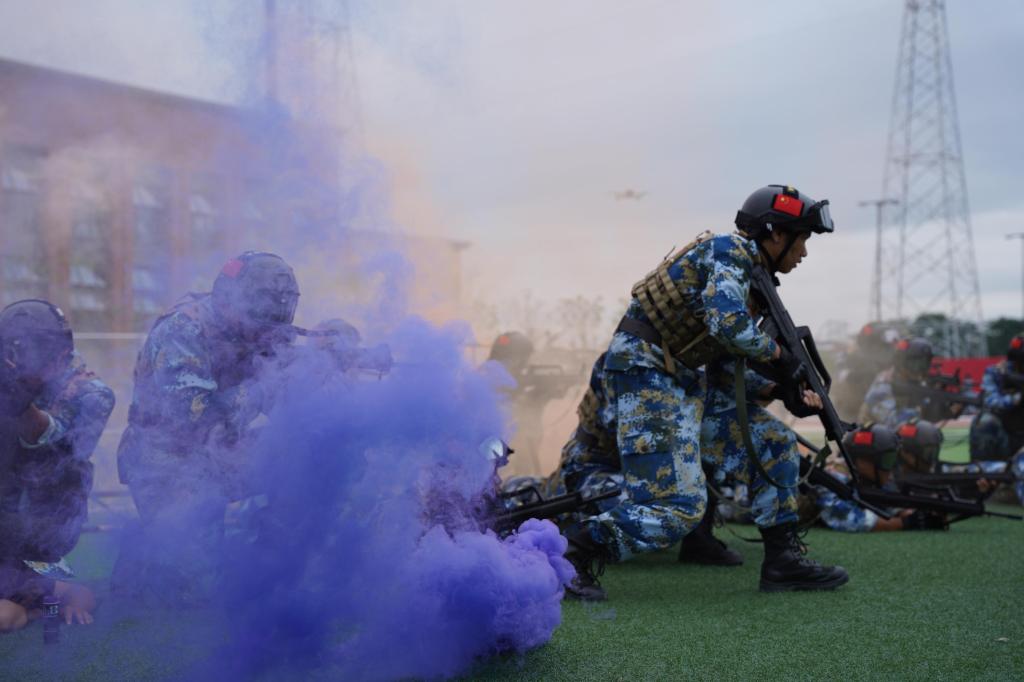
x=91 y=260
x=23 y=257
x=206 y=237
x=151 y=250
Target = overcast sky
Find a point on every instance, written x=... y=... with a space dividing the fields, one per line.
x=510 y=124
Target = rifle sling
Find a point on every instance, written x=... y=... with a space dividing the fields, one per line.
x=740 y=367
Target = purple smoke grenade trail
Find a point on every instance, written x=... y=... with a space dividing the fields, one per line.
x=354 y=574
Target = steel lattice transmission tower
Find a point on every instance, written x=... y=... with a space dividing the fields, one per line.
x=925 y=256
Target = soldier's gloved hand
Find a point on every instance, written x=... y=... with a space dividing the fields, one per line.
x=789 y=369
x=793 y=398
x=925 y=520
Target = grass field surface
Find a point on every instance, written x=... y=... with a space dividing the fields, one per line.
x=927 y=606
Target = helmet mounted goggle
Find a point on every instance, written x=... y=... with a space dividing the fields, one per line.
x=789 y=212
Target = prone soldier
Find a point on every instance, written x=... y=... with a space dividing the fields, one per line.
x=646 y=416
x=877 y=451
x=52 y=413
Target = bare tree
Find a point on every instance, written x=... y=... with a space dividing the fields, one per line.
x=579 y=321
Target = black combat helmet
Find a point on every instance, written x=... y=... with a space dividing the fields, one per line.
x=512 y=349
x=914 y=356
x=1015 y=353
x=920 y=442
x=876 y=443
x=256 y=290
x=35 y=338
x=785 y=208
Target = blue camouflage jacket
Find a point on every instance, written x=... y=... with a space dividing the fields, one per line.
x=842 y=515
x=997 y=395
x=44 y=486
x=194 y=397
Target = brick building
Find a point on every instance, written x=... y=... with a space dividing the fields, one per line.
x=116 y=200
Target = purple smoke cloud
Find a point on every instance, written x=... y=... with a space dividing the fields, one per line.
x=371 y=562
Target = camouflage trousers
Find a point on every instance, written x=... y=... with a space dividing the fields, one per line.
x=664 y=434
x=990 y=440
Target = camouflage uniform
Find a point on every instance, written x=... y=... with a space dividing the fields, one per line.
x=653 y=426
x=997 y=432
x=182 y=454
x=882 y=406
x=44 y=487
x=839 y=514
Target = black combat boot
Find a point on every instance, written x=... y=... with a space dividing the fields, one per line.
x=785 y=568
x=588 y=559
x=702 y=547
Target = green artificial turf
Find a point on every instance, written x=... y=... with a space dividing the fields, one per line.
x=923 y=606
x=918 y=606
x=928 y=606
x=954 y=446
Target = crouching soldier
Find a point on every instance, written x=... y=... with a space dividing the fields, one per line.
x=197 y=393
x=646 y=417
x=997 y=432
x=52 y=413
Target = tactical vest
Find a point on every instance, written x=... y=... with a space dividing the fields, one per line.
x=679 y=322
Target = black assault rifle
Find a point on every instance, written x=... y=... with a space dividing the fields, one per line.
x=934 y=395
x=799 y=342
x=541 y=508
x=961 y=483
x=940 y=499
x=933 y=500
x=547 y=381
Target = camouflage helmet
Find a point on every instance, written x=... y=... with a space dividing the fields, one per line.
x=256 y=290
x=512 y=349
x=33 y=335
x=876 y=443
x=920 y=442
x=914 y=355
x=785 y=208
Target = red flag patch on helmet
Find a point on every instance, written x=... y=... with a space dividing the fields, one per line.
x=863 y=438
x=902 y=344
x=232 y=268
x=1017 y=343
x=788 y=205
x=503 y=340
x=908 y=430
